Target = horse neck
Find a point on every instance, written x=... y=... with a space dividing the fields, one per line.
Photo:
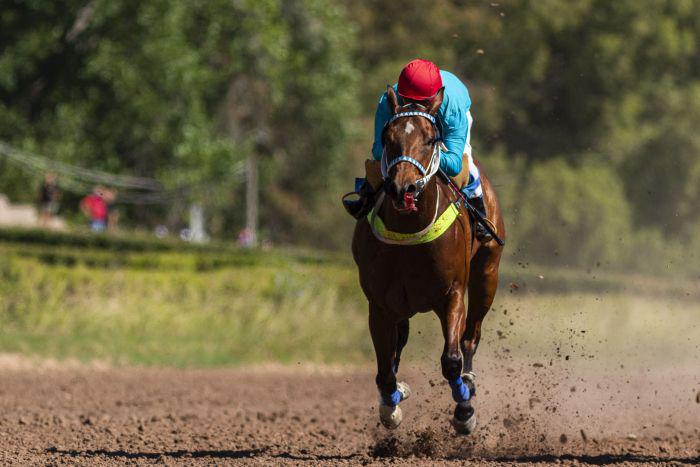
x=417 y=221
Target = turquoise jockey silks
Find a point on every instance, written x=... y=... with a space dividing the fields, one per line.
x=453 y=115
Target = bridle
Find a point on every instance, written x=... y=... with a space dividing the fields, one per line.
x=433 y=165
x=440 y=222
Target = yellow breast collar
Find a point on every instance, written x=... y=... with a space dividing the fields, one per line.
x=433 y=231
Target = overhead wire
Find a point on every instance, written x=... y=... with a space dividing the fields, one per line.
x=39 y=163
x=131 y=190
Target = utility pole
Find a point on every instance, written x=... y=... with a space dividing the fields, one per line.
x=251 y=199
x=198 y=232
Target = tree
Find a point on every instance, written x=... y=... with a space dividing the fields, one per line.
x=181 y=91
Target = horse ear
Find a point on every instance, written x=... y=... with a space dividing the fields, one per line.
x=436 y=101
x=392 y=100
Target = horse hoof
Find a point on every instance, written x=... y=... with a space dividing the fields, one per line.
x=390 y=417
x=464 y=420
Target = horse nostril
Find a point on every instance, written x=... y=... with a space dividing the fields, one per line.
x=411 y=188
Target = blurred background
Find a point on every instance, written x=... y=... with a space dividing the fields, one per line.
x=190 y=130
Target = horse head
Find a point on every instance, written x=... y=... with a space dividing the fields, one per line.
x=411 y=149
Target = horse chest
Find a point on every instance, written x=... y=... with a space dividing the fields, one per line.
x=404 y=285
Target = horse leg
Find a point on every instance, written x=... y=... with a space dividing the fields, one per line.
x=483 y=282
x=402 y=329
x=452 y=319
x=384 y=334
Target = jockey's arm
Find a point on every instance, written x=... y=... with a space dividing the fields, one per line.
x=381 y=116
x=455 y=129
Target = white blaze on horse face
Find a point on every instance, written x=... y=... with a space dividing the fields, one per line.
x=409 y=128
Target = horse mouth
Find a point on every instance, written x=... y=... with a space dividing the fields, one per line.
x=407 y=204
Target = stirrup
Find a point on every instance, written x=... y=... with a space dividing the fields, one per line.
x=481 y=233
x=357 y=208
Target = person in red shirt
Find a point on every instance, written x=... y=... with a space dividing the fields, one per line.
x=94 y=207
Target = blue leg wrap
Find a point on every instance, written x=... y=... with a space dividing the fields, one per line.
x=358 y=183
x=394 y=399
x=460 y=391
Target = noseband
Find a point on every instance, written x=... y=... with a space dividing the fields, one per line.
x=433 y=165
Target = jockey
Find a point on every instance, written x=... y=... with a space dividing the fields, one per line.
x=418 y=82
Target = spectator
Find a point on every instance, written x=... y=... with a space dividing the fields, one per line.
x=95 y=209
x=110 y=197
x=245 y=238
x=49 y=198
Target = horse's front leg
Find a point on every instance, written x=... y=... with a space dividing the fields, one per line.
x=385 y=338
x=452 y=317
x=483 y=282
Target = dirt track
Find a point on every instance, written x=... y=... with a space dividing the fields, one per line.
x=272 y=415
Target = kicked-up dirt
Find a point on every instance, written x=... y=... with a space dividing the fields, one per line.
x=528 y=413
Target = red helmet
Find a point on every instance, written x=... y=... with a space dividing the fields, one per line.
x=419 y=80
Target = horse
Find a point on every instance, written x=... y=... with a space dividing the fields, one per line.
x=416 y=252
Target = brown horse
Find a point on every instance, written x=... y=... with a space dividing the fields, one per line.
x=402 y=279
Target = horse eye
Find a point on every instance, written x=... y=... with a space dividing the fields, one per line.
x=430 y=142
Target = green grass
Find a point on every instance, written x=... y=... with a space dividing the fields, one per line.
x=208 y=306
x=178 y=313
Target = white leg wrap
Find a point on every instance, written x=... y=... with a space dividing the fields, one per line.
x=473 y=169
x=470 y=376
x=404 y=389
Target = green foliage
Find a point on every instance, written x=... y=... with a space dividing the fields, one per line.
x=158 y=306
x=182 y=91
x=566 y=215
x=552 y=80
x=163 y=308
x=87 y=239
x=657 y=149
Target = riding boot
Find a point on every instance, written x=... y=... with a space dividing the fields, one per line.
x=479 y=230
x=359 y=208
x=365 y=188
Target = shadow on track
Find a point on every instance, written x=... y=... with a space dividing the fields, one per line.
x=221 y=454
x=600 y=459
x=224 y=454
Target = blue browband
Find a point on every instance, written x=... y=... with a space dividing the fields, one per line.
x=413 y=113
x=416 y=113
x=408 y=159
